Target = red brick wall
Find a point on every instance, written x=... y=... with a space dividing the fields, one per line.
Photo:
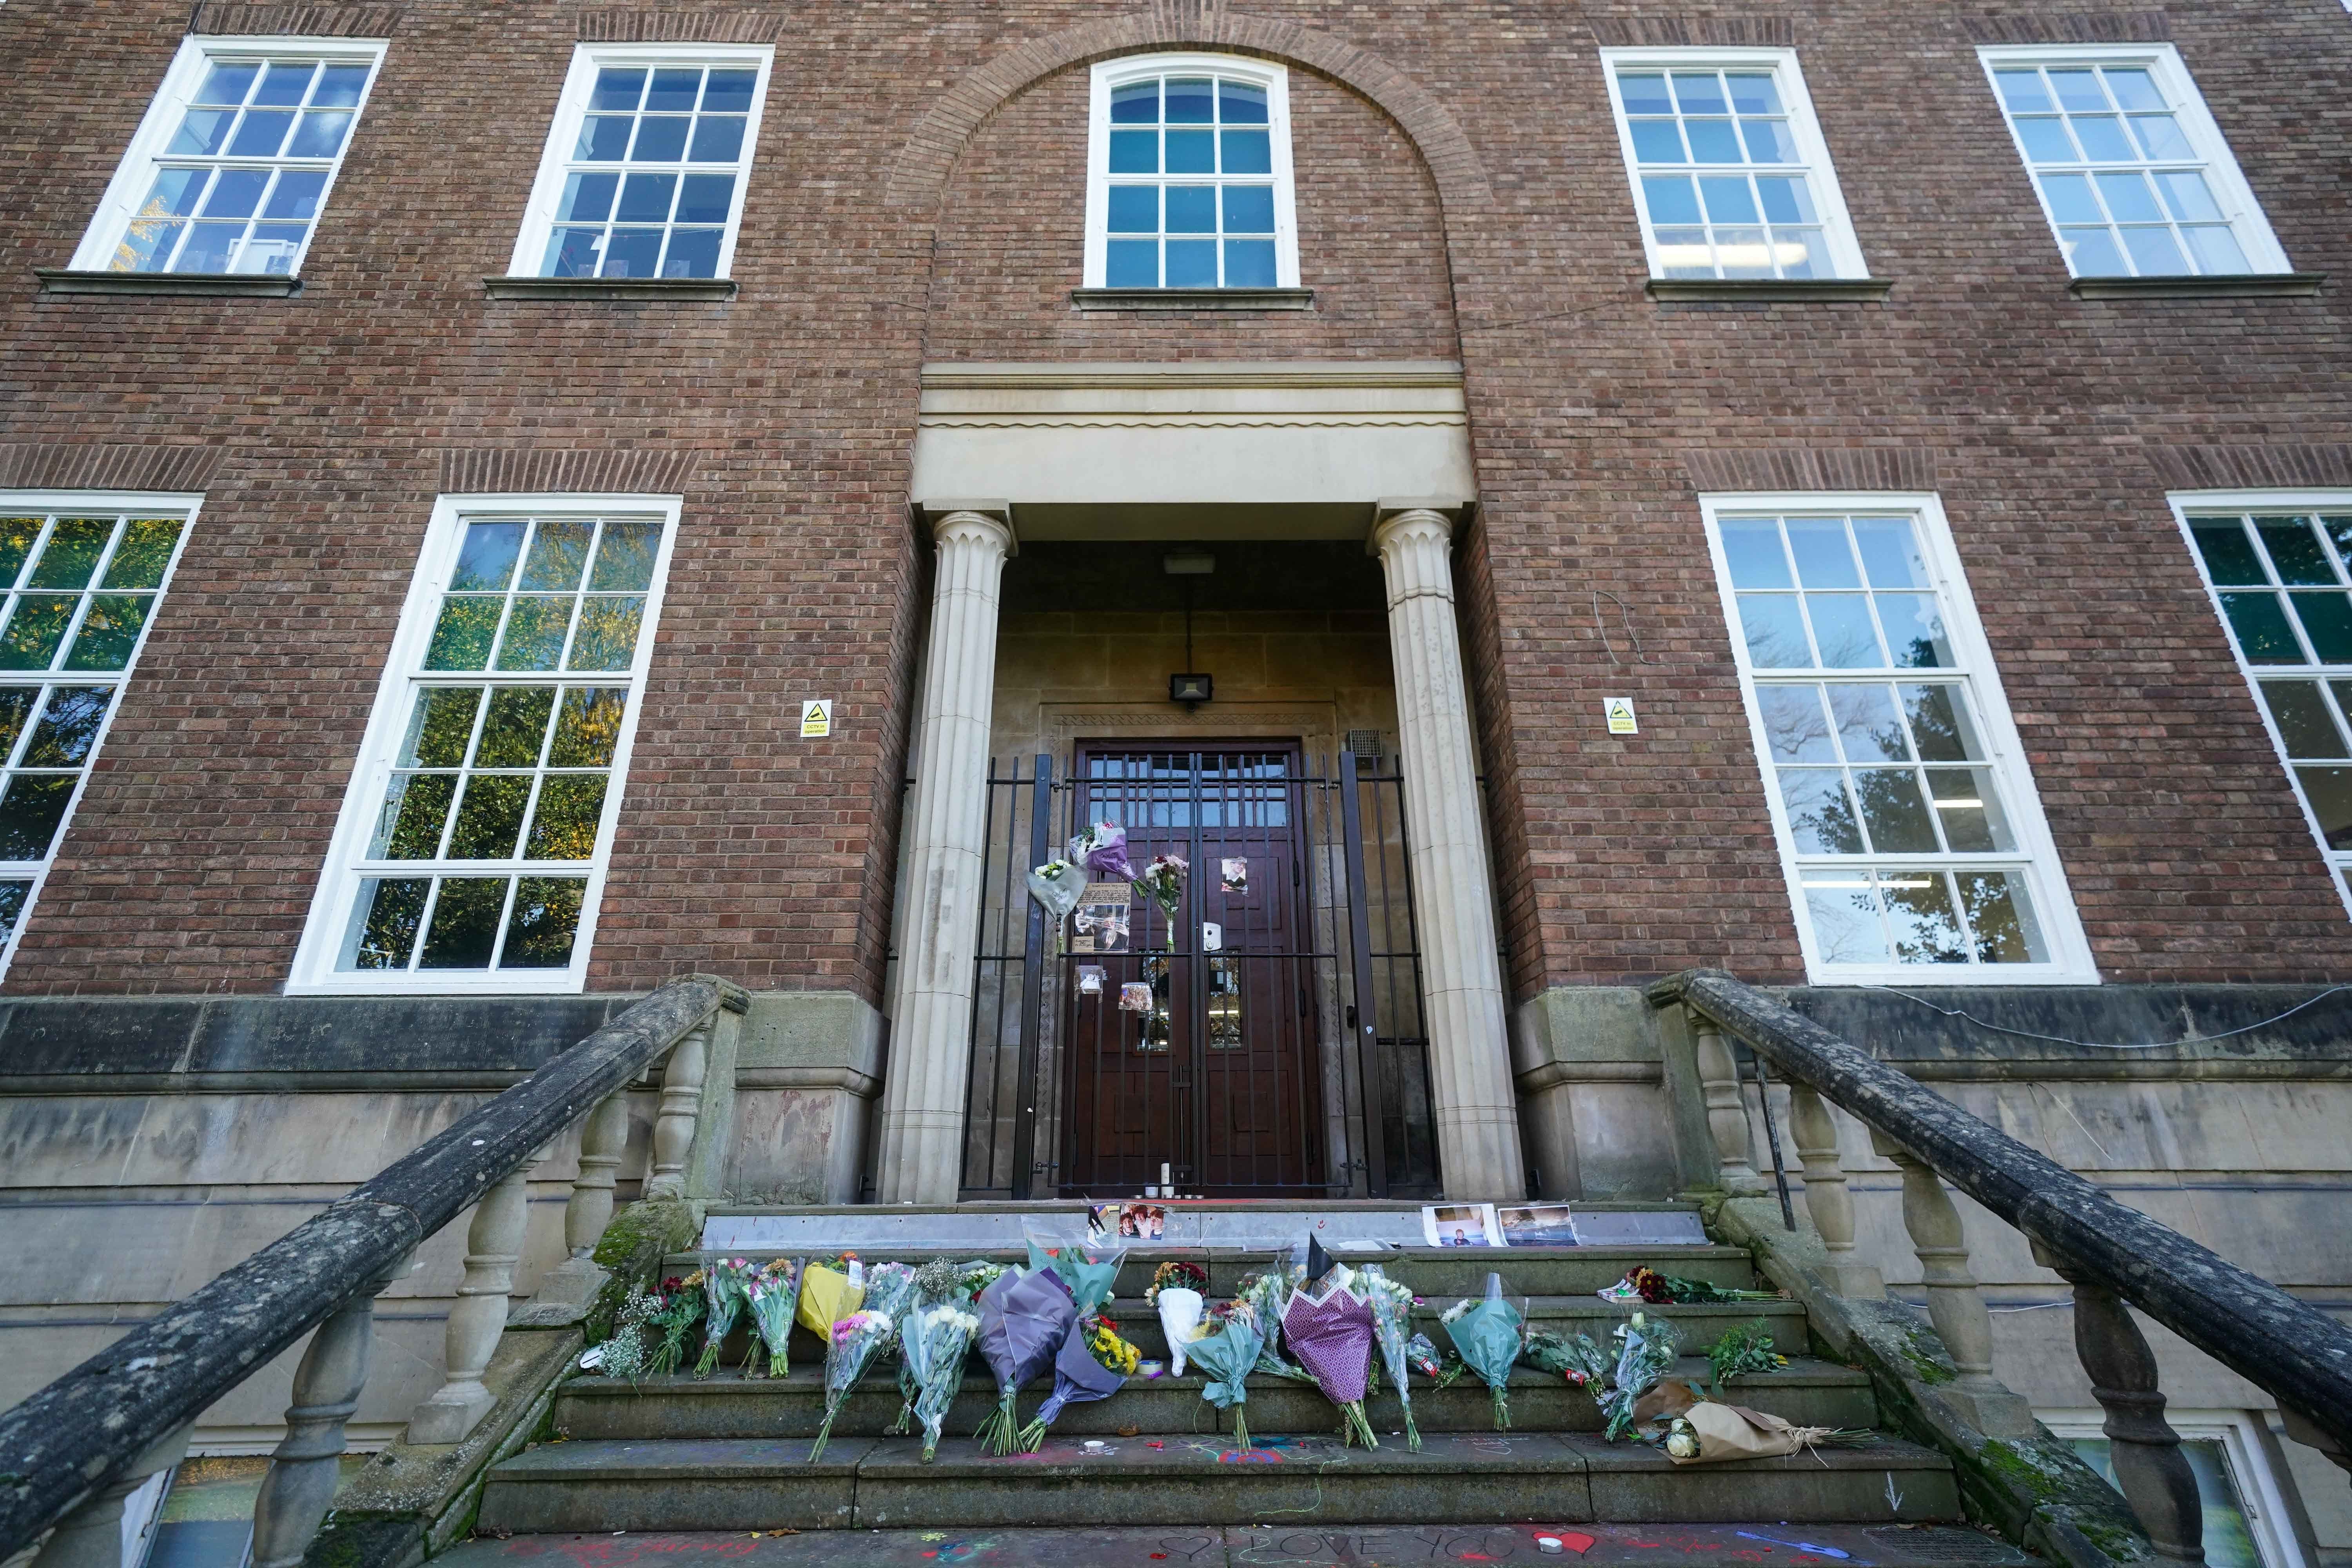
x=742 y=849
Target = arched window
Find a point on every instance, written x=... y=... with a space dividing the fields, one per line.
x=1188 y=165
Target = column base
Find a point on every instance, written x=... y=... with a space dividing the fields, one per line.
x=450 y=1415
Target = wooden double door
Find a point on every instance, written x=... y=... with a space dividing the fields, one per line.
x=1192 y=1045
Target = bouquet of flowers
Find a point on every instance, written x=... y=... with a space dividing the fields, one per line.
x=1422 y=1355
x=935 y=1339
x=1268 y=1292
x=1023 y=1319
x=774 y=1292
x=1574 y=1357
x=1332 y=1335
x=1102 y=850
x=1058 y=885
x=831 y=1289
x=1094 y=1362
x=680 y=1310
x=727 y=1288
x=1742 y=1350
x=1391 y=1305
x=852 y=1341
x=1656 y=1289
x=624 y=1352
x=1647 y=1349
x=1488 y=1335
x=1088 y=1269
x=1164 y=881
x=1226 y=1357
x=1176 y=1292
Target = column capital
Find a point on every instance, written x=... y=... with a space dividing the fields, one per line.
x=990 y=517
x=1434 y=516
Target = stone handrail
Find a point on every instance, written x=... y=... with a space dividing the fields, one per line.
x=71 y=1453
x=2110 y=1252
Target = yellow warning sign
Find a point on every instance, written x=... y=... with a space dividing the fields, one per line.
x=816 y=718
x=1621 y=716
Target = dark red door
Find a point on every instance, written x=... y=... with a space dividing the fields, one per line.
x=1215 y=1076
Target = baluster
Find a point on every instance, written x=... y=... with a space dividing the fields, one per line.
x=1727 y=1108
x=681 y=1108
x=92 y=1536
x=1828 y=1204
x=327 y=1386
x=2151 y=1471
x=575 y=1281
x=1954 y=1305
x=493 y=1247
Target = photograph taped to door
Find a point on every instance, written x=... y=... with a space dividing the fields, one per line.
x=1101 y=923
x=1090 y=979
x=1135 y=997
x=1233 y=874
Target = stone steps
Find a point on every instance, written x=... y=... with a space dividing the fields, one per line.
x=1809 y=1392
x=1323 y=1544
x=1458 y=1477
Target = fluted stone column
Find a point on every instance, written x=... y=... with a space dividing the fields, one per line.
x=945 y=833
x=1469 y=1054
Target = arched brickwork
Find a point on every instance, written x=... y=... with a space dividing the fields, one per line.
x=921 y=175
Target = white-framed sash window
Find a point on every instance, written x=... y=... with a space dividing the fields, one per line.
x=80 y=575
x=2246 y=1519
x=471 y=851
x=647 y=163
x=1730 y=176
x=1189 y=174
x=1906 y=815
x=2132 y=172
x=2278 y=564
x=233 y=162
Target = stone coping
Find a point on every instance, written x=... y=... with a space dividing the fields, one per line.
x=68 y=280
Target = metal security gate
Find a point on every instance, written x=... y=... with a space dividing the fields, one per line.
x=1279 y=1050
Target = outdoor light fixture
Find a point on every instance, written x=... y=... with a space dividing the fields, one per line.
x=1193 y=688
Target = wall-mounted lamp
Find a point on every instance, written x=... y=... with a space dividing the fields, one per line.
x=1194 y=689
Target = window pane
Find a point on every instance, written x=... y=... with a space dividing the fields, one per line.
x=1247 y=151
x=624 y=560
x=2229 y=557
x=1131 y=264
x=618 y=88
x=1939 y=725
x=439 y=727
x=1752 y=93
x=1968 y=811
x=1249 y=264
x=607 y=639
x=260 y=134
x=71 y=556
x=1134 y=210
x=1894 y=811
x=2327 y=622
x=1699 y=93
x=1644 y=92
x=30 y=811
x=1890 y=553
x=677 y=87
x=415 y=806
x=2046 y=140
x=2186 y=194
x=465 y=923
x=1787 y=198
x=546 y=921
x=319 y=135
x=1752 y=549
x=2262 y=629
x=1867 y=728
x=69 y=727
x=646 y=199
x=2295 y=552
x=1915 y=628
x=1191 y=209
x=1135 y=103
x=2154 y=252
x=486 y=559
x=2129 y=197
x=514 y=727
x=1775 y=634
x=1657 y=141
x=718 y=139
x=1190 y=151
x=228 y=82
x=1919 y=909
x=1824 y=558
x=34 y=632
x=1729 y=199
x=728 y=91
x=1712 y=141
x=705 y=198
x=1135 y=151
x=1842 y=632
x=2160 y=136
x=1820 y=818
x=1844 y=912
x=603 y=139
x=1672 y=199
x=1249 y=209
x=490 y=817
x=2101 y=137
x=2303 y=718
x=563 y=827
x=110 y=631
x=2023 y=91
x=534 y=634
x=2216 y=249
x=461 y=640
x=1794 y=726
x=16 y=707
x=692 y=253
x=589 y=728
x=385 y=922
x=2070 y=198
x=2329 y=791
x=1241 y=103
x=1189 y=101
x=1192 y=264
x=1769 y=140
x=2093 y=252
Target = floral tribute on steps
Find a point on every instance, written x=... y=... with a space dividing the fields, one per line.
x=1226 y=1355
x=859 y=1334
x=1648 y=1285
x=936 y=1282
x=1094 y=1362
x=1023 y=1319
x=774 y=1294
x=727 y=1289
x=1488 y=1335
x=1330 y=1330
x=680 y=1310
x=1391 y=1307
x=935 y=1341
x=1176 y=1293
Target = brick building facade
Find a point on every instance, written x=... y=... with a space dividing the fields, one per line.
x=915 y=207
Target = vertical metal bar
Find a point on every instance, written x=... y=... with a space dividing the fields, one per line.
x=1772 y=1136
x=1033 y=987
x=975 y=1078
x=1359 y=939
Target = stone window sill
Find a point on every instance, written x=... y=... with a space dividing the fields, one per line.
x=610 y=288
x=1192 y=299
x=1743 y=289
x=2223 y=285
x=66 y=281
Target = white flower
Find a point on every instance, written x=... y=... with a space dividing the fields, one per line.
x=1455 y=1310
x=1683 y=1445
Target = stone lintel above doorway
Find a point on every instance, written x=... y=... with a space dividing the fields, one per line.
x=1193 y=450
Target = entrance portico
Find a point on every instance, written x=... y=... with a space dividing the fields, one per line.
x=1194 y=452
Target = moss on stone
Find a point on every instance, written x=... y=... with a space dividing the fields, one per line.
x=1920 y=1352
x=631 y=1251
x=2018 y=1468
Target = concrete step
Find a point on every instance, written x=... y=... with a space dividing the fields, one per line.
x=1809 y=1392
x=1458 y=1479
x=1439 y=1274
x=1348 y=1544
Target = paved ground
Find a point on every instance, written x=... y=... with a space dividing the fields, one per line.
x=1321 y=1546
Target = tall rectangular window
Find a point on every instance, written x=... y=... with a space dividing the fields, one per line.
x=1906 y=817
x=2132 y=172
x=1189 y=175
x=2276 y=565
x=647 y=164
x=1730 y=174
x=230 y=168
x=473 y=842
x=79 y=578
